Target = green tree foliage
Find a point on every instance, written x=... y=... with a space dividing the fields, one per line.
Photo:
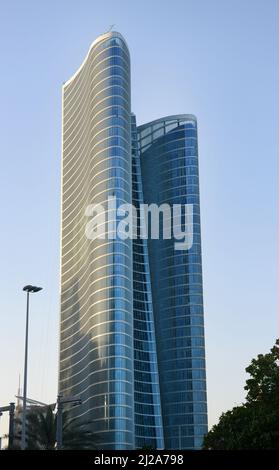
x=255 y=424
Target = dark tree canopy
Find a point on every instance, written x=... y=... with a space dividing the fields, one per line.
x=255 y=424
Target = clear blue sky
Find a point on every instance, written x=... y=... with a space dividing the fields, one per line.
x=216 y=59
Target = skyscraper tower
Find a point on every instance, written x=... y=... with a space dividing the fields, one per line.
x=97 y=351
x=131 y=335
x=170 y=174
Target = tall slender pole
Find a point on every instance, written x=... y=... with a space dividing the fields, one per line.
x=59 y=423
x=11 y=425
x=23 y=431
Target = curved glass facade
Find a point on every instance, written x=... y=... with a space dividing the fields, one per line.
x=169 y=163
x=96 y=346
x=148 y=416
x=131 y=330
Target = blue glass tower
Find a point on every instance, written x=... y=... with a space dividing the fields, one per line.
x=169 y=163
x=96 y=328
x=131 y=328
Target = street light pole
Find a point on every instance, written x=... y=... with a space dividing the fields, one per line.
x=23 y=429
x=28 y=289
x=59 y=423
x=11 y=425
x=61 y=401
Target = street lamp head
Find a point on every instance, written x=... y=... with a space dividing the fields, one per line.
x=77 y=403
x=32 y=289
x=27 y=288
x=37 y=289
